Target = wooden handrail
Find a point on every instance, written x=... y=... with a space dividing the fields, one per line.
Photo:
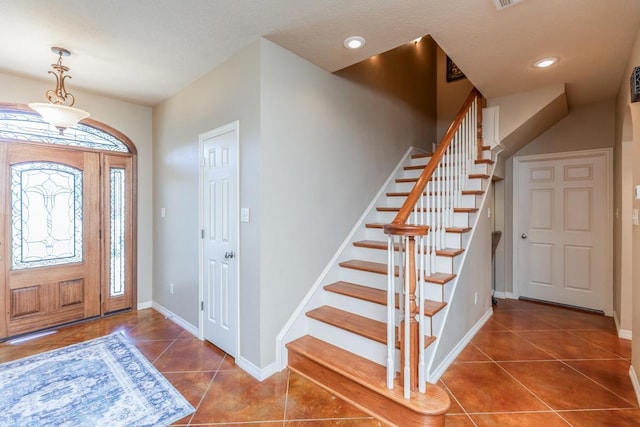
x=418 y=189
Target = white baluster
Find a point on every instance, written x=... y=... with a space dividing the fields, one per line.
x=391 y=311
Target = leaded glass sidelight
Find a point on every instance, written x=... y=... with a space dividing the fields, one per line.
x=117 y=226
x=46 y=215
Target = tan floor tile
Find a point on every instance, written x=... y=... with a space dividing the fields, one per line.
x=508 y=346
x=455 y=408
x=565 y=345
x=306 y=400
x=471 y=353
x=457 y=421
x=624 y=418
x=235 y=396
x=153 y=349
x=561 y=387
x=522 y=321
x=492 y=325
x=608 y=340
x=359 y=422
x=539 y=419
x=190 y=355
x=611 y=374
x=569 y=319
x=484 y=387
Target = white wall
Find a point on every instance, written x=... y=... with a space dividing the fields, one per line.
x=132 y=120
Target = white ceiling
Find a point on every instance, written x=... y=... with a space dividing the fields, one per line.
x=147 y=50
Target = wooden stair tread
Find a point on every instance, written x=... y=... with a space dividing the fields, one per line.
x=478 y=175
x=484 y=161
x=380 y=268
x=464 y=193
x=471 y=176
x=458 y=229
x=377 y=296
x=421 y=155
x=418 y=167
x=359 y=325
x=363 y=326
x=378 y=244
x=397 y=209
x=380 y=225
x=368 y=374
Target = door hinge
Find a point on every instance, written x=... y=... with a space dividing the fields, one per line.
x=203 y=161
x=201 y=305
x=202 y=233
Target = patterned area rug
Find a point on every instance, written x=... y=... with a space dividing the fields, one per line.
x=102 y=382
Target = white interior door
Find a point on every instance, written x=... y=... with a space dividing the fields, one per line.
x=561 y=229
x=219 y=223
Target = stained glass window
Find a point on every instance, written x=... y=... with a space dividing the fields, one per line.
x=23 y=126
x=117 y=238
x=46 y=214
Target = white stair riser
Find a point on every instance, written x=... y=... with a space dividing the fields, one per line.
x=460 y=219
x=357 y=306
x=465 y=201
x=482 y=168
x=443 y=263
x=364 y=347
x=373 y=280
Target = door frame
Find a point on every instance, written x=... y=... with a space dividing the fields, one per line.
x=233 y=126
x=607 y=295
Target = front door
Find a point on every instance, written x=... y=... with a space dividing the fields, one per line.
x=50 y=222
x=219 y=217
x=563 y=243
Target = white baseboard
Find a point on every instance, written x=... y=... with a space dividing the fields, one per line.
x=176 y=319
x=260 y=374
x=145 y=304
x=455 y=352
x=634 y=381
x=622 y=333
x=504 y=295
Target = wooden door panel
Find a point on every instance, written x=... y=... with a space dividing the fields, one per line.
x=118 y=286
x=47 y=295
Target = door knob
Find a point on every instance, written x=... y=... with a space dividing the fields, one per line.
x=524 y=235
x=229 y=254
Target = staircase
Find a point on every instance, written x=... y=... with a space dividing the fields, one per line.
x=350 y=343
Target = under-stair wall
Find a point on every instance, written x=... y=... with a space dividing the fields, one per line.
x=464 y=313
x=298 y=324
x=470 y=305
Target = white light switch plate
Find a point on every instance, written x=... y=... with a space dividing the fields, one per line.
x=244 y=214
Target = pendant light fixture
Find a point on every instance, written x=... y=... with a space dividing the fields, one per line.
x=59 y=111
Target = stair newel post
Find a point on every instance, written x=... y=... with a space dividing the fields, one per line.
x=409 y=327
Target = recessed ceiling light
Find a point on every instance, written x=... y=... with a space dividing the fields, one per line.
x=545 y=62
x=354 y=42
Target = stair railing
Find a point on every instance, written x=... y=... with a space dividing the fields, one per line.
x=417 y=232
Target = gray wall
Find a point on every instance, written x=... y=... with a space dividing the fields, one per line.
x=314 y=149
x=586 y=127
x=628 y=135
x=230 y=92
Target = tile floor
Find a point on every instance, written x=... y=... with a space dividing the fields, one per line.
x=530 y=365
